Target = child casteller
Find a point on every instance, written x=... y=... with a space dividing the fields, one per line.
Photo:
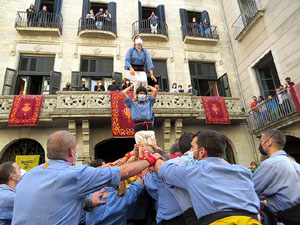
x=142 y=112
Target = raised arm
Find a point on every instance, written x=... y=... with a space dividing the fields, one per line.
x=153 y=90
x=125 y=91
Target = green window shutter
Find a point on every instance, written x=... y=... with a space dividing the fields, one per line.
x=55 y=79
x=9 y=81
x=223 y=86
x=75 y=80
x=183 y=19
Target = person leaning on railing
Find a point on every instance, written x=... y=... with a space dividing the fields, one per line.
x=107 y=20
x=30 y=15
x=99 y=19
x=90 y=20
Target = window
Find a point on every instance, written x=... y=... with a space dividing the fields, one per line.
x=161 y=74
x=34 y=75
x=204 y=78
x=267 y=75
x=48 y=3
x=96 y=6
x=146 y=12
x=95 y=69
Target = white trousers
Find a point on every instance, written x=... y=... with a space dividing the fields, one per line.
x=153 y=29
x=139 y=79
x=147 y=135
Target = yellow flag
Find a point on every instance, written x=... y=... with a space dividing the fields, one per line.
x=27 y=162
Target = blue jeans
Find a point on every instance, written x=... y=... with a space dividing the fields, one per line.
x=207 y=32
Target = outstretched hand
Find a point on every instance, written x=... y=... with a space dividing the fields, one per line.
x=96 y=198
x=153 y=78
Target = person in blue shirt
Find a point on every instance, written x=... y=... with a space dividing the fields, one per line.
x=10 y=174
x=116 y=209
x=168 y=209
x=153 y=22
x=142 y=113
x=54 y=192
x=136 y=59
x=278 y=178
x=220 y=192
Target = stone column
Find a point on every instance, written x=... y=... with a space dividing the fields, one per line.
x=85 y=157
x=166 y=134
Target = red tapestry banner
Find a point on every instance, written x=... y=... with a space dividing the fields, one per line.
x=121 y=122
x=215 y=110
x=25 y=110
x=295 y=93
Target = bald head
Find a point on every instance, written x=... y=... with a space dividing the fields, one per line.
x=59 y=144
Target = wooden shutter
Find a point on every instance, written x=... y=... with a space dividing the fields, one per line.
x=223 y=86
x=160 y=12
x=183 y=19
x=55 y=79
x=37 y=5
x=57 y=8
x=86 y=6
x=75 y=80
x=112 y=8
x=140 y=11
x=9 y=81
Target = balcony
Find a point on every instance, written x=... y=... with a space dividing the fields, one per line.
x=143 y=28
x=274 y=113
x=41 y=24
x=97 y=28
x=247 y=20
x=194 y=34
x=97 y=105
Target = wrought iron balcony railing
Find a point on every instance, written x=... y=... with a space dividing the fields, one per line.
x=272 y=110
x=248 y=17
x=39 y=20
x=97 y=24
x=197 y=30
x=145 y=27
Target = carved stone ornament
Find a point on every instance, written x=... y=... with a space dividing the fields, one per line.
x=37 y=48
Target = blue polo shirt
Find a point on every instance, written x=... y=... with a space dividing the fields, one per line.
x=7 y=197
x=154 y=20
x=115 y=211
x=167 y=206
x=141 y=112
x=278 y=179
x=213 y=185
x=55 y=194
x=134 y=57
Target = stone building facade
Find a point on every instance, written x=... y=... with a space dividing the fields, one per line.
x=72 y=51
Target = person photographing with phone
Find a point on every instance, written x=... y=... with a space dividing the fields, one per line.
x=136 y=59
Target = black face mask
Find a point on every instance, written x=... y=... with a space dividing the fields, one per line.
x=83 y=85
x=68 y=86
x=261 y=150
x=113 y=83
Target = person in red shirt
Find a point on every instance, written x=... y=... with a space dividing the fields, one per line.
x=253 y=104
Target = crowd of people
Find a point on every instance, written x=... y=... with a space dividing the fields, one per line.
x=100 y=21
x=201 y=29
x=40 y=19
x=192 y=184
x=273 y=108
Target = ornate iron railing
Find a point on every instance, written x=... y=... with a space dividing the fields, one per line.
x=145 y=27
x=40 y=19
x=98 y=23
x=198 y=30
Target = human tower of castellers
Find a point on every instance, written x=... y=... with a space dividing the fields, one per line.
x=192 y=184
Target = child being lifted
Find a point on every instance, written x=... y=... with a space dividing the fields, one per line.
x=142 y=113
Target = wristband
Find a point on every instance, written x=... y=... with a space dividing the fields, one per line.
x=140 y=176
x=149 y=158
x=127 y=155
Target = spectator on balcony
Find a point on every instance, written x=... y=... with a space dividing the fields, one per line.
x=83 y=87
x=113 y=86
x=174 y=88
x=99 y=86
x=67 y=87
x=272 y=107
x=195 y=27
x=107 y=22
x=90 y=20
x=254 y=103
x=44 y=17
x=207 y=29
x=99 y=19
x=126 y=84
x=180 y=89
x=192 y=90
x=262 y=110
x=288 y=83
x=136 y=59
x=30 y=15
x=153 y=22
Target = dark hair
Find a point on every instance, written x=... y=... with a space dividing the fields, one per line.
x=185 y=142
x=137 y=36
x=174 y=148
x=140 y=89
x=213 y=142
x=276 y=136
x=163 y=154
x=262 y=98
x=96 y=163
x=287 y=78
x=253 y=163
x=6 y=169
